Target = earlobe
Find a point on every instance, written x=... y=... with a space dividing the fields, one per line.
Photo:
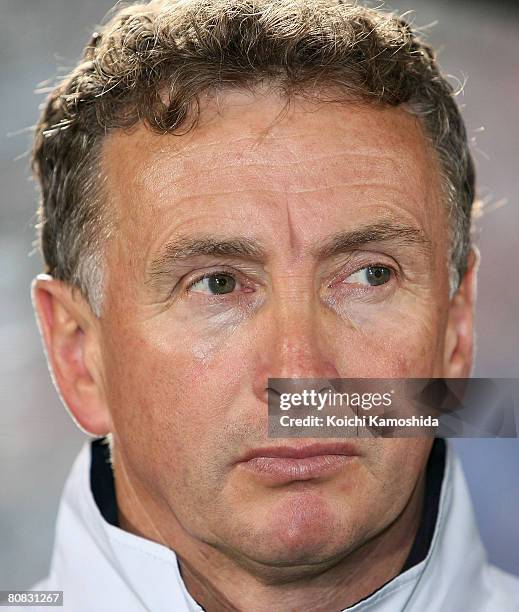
x=459 y=340
x=71 y=345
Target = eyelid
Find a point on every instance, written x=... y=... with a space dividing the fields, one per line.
x=238 y=277
x=208 y=275
x=371 y=265
x=392 y=273
x=369 y=260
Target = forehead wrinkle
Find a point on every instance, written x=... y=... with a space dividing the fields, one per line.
x=170 y=167
x=271 y=190
x=371 y=161
x=250 y=118
x=161 y=165
x=172 y=186
x=269 y=157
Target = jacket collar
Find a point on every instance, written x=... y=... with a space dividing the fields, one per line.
x=138 y=574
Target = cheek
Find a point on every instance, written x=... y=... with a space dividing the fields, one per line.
x=394 y=465
x=401 y=463
x=175 y=387
x=392 y=343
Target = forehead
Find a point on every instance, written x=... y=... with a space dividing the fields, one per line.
x=252 y=155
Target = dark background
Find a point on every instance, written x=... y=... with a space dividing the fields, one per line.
x=38 y=440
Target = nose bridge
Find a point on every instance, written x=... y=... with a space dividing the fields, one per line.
x=297 y=344
x=297 y=351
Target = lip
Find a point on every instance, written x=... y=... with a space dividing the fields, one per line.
x=282 y=464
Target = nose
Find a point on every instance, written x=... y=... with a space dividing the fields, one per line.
x=296 y=352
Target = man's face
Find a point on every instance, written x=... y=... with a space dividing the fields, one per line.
x=243 y=252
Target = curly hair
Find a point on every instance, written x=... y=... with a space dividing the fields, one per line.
x=189 y=47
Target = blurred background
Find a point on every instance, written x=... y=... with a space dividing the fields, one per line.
x=478 y=42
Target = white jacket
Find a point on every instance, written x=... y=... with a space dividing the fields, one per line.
x=102 y=568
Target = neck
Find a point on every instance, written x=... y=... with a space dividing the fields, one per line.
x=219 y=582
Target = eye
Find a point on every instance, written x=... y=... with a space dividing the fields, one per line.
x=217 y=283
x=370 y=275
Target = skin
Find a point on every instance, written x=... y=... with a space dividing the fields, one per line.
x=187 y=371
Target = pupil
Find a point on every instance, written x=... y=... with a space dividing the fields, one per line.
x=221 y=283
x=378 y=275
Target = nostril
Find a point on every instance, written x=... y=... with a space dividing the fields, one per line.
x=271 y=393
x=288 y=385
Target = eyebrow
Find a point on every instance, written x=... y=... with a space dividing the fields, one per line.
x=403 y=235
x=184 y=248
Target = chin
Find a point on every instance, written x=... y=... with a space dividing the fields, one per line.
x=303 y=528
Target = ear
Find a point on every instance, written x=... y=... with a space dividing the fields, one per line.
x=70 y=337
x=459 y=341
